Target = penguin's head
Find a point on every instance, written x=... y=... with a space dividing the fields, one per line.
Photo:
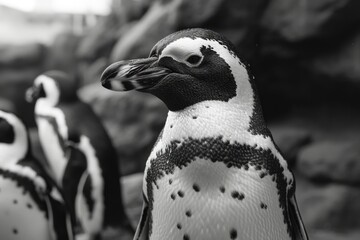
x=184 y=68
x=54 y=87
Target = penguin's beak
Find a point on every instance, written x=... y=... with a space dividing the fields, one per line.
x=138 y=74
x=34 y=93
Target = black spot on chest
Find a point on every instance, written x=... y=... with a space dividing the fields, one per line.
x=233 y=155
x=233 y=234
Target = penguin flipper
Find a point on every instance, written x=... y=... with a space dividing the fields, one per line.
x=74 y=170
x=142 y=229
x=60 y=220
x=297 y=225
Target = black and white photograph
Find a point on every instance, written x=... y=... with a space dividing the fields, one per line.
x=179 y=120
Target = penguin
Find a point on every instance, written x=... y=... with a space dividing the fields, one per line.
x=215 y=171
x=31 y=205
x=80 y=154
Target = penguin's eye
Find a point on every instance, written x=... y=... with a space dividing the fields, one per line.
x=194 y=59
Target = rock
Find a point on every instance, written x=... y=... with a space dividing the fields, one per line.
x=308 y=54
x=331 y=207
x=133 y=120
x=17 y=56
x=330 y=235
x=91 y=72
x=331 y=161
x=238 y=23
x=130 y=10
x=197 y=13
x=290 y=141
x=62 y=53
x=158 y=22
x=299 y=21
x=340 y=65
x=100 y=39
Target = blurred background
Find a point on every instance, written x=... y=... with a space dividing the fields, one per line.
x=305 y=56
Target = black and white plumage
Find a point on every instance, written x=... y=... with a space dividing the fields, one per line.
x=80 y=154
x=31 y=206
x=215 y=172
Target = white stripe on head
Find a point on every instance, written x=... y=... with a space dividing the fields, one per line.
x=51 y=89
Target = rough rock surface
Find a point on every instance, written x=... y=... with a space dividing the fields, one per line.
x=331 y=235
x=159 y=21
x=331 y=161
x=238 y=23
x=309 y=52
x=300 y=21
x=61 y=55
x=329 y=207
x=31 y=54
x=291 y=141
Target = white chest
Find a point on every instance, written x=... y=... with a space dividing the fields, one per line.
x=52 y=147
x=21 y=218
x=208 y=200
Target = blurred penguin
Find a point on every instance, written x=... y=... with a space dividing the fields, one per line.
x=31 y=206
x=80 y=154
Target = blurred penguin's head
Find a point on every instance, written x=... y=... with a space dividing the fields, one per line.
x=54 y=87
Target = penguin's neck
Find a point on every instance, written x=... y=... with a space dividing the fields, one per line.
x=17 y=150
x=211 y=118
x=43 y=105
x=231 y=120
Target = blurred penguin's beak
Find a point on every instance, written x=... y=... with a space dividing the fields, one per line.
x=138 y=74
x=34 y=93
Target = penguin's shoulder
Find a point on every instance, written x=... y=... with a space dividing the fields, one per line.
x=38 y=169
x=28 y=178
